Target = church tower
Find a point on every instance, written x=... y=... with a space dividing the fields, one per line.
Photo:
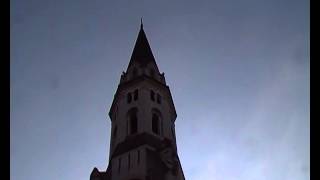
x=143 y=142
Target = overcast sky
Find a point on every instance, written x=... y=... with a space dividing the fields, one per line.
x=238 y=71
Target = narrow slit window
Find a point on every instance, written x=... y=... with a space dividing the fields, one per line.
x=129 y=159
x=152 y=95
x=158 y=98
x=138 y=156
x=127 y=127
x=119 y=167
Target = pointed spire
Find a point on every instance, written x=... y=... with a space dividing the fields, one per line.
x=142 y=53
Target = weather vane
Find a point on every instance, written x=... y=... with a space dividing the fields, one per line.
x=141 y=24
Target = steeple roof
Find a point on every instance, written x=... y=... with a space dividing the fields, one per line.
x=142 y=53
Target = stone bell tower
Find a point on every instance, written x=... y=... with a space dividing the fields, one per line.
x=143 y=142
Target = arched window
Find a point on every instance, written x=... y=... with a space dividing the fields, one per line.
x=132 y=121
x=135 y=95
x=129 y=98
x=156 y=122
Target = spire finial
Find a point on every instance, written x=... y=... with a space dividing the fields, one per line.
x=141 y=24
